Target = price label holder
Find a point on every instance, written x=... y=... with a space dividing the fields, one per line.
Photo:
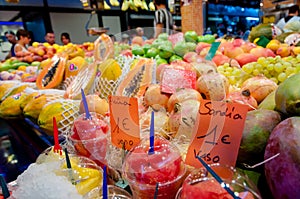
x=217 y=133
x=174 y=79
x=212 y=51
x=124 y=121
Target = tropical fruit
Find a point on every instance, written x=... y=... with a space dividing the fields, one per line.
x=52 y=74
x=18 y=88
x=74 y=65
x=283 y=172
x=110 y=69
x=5 y=87
x=64 y=110
x=213 y=86
x=154 y=96
x=83 y=80
x=287 y=96
x=10 y=107
x=269 y=102
x=34 y=106
x=104 y=48
x=137 y=80
x=258 y=126
x=259 y=87
x=260 y=30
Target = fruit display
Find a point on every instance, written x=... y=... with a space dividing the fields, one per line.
x=170 y=76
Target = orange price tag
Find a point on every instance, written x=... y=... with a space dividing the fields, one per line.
x=124 y=121
x=217 y=133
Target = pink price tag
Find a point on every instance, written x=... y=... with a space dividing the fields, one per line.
x=174 y=79
x=217 y=133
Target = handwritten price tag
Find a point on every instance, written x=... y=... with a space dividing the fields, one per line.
x=124 y=121
x=174 y=79
x=217 y=133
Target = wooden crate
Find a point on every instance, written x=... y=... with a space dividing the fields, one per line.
x=192 y=17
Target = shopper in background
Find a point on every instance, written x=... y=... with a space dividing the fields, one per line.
x=140 y=32
x=50 y=37
x=20 y=48
x=11 y=38
x=292 y=16
x=163 y=20
x=65 y=38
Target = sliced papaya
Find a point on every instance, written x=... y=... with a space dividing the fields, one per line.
x=137 y=80
x=104 y=48
x=52 y=74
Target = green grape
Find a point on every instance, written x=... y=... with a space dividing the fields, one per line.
x=262 y=60
x=297 y=66
x=278 y=67
x=265 y=72
x=256 y=72
x=258 y=66
x=270 y=67
x=229 y=69
x=274 y=80
x=236 y=72
x=232 y=80
x=221 y=68
x=248 y=68
x=281 y=77
x=227 y=74
x=291 y=74
x=289 y=70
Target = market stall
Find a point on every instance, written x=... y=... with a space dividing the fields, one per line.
x=152 y=113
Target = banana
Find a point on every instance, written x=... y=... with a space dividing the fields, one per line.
x=152 y=6
x=132 y=6
x=144 y=6
x=125 y=5
x=138 y=3
x=114 y=2
x=106 y=6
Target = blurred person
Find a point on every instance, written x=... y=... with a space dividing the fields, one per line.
x=23 y=40
x=50 y=37
x=292 y=16
x=163 y=20
x=125 y=39
x=11 y=38
x=65 y=38
x=113 y=38
x=140 y=32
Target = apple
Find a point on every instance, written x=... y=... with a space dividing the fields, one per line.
x=220 y=59
x=246 y=58
x=200 y=46
x=192 y=57
x=233 y=52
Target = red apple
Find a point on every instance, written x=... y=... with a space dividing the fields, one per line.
x=246 y=58
x=259 y=52
x=225 y=45
x=238 y=42
x=233 y=52
x=220 y=59
x=200 y=46
x=192 y=57
x=248 y=46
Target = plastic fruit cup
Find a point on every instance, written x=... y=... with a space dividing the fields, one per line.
x=89 y=137
x=85 y=174
x=114 y=192
x=143 y=170
x=200 y=184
